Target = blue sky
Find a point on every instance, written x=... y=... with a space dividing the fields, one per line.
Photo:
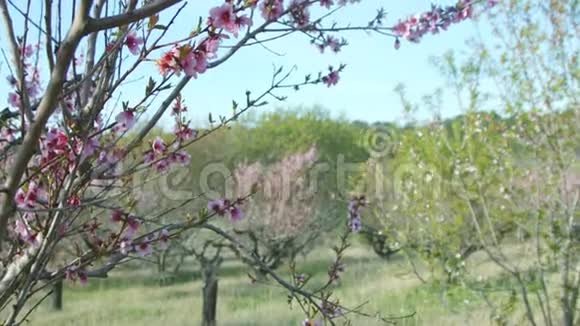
x=365 y=91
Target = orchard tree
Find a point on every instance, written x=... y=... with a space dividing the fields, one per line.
x=70 y=157
x=486 y=180
x=283 y=216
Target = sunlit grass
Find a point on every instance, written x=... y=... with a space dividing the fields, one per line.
x=381 y=285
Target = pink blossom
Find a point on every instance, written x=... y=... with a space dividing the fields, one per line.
x=56 y=141
x=183 y=158
x=223 y=16
x=299 y=12
x=271 y=9
x=185 y=58
x=125 y=121
x=415 y=27
x=331 y=79
x=25 y=233
x=354 y=217
x=126 y=246
x=217 y=206
x=162 y=166
x=158 y=146
x=90 y=148
x=7 y=134
x=148 y=157
x=14 y=100
x=133 y=43
x=112 y=157
x=200 y=62
x=333 y=43
x=28 y=50
x=240 y=22
x=117 y=216
x=178 y=107
x=184 y=133
x=72 y=273
x=211 y=44
x=83 y=277
x=20 y=198
x=133 y=225
x=326 y=3
x=20 y=227
x=188 y=64
x=163 y=239
x=236 y=214
x=30 y=198
x=168 y=62
x=355 y=224
x=74 y=201
x=144 y=248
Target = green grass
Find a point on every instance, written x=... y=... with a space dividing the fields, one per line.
x=387 y=286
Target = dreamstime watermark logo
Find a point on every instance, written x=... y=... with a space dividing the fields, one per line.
x=337 y=176
x=380 y=141
x=383 y=176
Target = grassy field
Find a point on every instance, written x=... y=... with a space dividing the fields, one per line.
x=388 y=286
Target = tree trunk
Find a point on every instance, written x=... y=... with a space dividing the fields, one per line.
x=57 y=296
x=210 y=295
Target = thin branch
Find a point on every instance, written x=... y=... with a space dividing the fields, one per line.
x=151 y=9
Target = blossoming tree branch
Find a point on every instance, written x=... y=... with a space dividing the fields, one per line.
x=68 y=152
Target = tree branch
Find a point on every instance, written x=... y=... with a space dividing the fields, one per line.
x=46 y=108
x=151 y=9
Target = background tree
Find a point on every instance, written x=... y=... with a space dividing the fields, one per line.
x=490 y=182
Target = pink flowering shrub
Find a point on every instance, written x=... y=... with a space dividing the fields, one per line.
x=282 y=213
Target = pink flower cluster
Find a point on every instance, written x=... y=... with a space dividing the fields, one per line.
x=31 y=198
x=300 y=13
x=354 y=208
x=145 y=247
x=190 y=59
x=133 y=43
x=74 y=273
x=129 y=227
x=271 y=9
x=125 y=120
x=161 y=159
x=130 y=224
x=182 y=130
x=55 y=144
x=332 y=78
x=415 y=27
x=225 y=17
x=111 y=157
x=331 y=42
x=32 y=78
x=328 y=3
x=25 y=232
x=6 y=136
x=225 y=206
